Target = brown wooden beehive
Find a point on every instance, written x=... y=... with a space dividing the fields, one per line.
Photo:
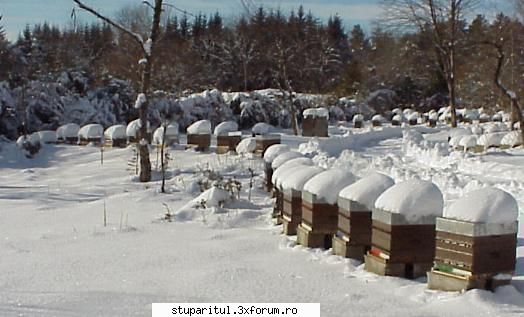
x=353 y=237
x=268 y=172
x=228 y=142
x=319 y=222
x=201 y=142
x=265 y=141
x=471 y=255
x=291 y=211
x=278 y=206
x=400 y=248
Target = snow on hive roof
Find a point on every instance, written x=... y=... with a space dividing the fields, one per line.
x=433 y=116
x=367 y=189
x=316 y=113
x=491 y=139
x=200 y=127
x=91 y=131
x=476 y=129
x=397 y=118
x=328 y=184
x=513 y=138
x=413 y=116
x=47 y=136
x=284 y=157
x=488 y=205
x=413 y=199
x=248 y=145
x=262 y=128
x=468 y=141
x=275 y=150
x=171 y=131
x=69 y=130
x=358 y=117
x=288 y=171
x=298 y=178
x=378 y=118
x=226 y=127
x=115 y=132
x=454 y=141
x=304 y=161
x=133 y=127
x=459 y=132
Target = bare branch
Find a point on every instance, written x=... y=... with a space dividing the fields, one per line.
x=138 y=38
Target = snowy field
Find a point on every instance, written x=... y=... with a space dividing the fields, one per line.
x=58 y=258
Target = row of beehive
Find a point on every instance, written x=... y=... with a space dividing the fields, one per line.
x=398 y=230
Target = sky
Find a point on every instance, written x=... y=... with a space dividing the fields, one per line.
x=18 y=13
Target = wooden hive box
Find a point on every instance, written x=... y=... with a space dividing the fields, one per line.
x=201 y=142
x=353 y=237
x=308 y=126
x=376 y=123
x=228 y=142
x=265 y=141
x=278 y=205
x=268 y=172
x=432 y=123
x=400 y=248
x=121 y=143
x=318 y=215
x=291 y=211
x=471 y=255
x=357 y=124
x=71 y=140
x=413 y=121
x=320 y=128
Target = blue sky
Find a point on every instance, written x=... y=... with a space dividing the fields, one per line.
x=18 y=13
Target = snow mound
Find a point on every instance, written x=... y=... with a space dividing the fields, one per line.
x=248 y=145
x=316 y=113
x=115 y=132
x=328 y=184
x=284 y=157
x=358 y=118
x=69 y=130
x=299 y=177
x=397 y=118
x=468 y=141
x=282 y=170
x=476 y=129
x=488 y=205
x=288 y=170
x=133 y=127
x=225 y=127
x=213 y=197
x=275 y=150
x=457 y=132
x=171 y=131
x=378 y=118
x=200 y=127
x=91 y=131
x=47 y=137
x=491 y=139
x=455 y=140
x=413 y=198
x=367 y=189
x=262 y=128
x=433 y=116
x=513 y=138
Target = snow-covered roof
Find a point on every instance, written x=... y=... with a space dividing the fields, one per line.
x=91 y=131
x=491 y=139
x=488 y=205
x=262 y=128
x=397 y=118
x=200 y=127
x=225 y=127
x=413 y=116
x=413 y=199
x=367 y=189
x=512 y=138
x=284 y=157
x=133 y=127
x=275 y=150
x=47 y=136
x=433 y=116
x=326 y=185
x=288 y=171
x=316 y=113
x=358 y=118
x=378 y=118
x=299 y=177
x=114 y=132
x=69 y=130
x=476 y=129
x=247 y=145
x=171 y=131
x=468 y=141
x=282 y=170
x=459 y=132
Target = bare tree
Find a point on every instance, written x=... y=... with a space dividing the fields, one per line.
x=442 y=19
x=147 y=48
x=516 y=109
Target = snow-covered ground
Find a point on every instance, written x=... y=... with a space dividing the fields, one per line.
x=58 y=258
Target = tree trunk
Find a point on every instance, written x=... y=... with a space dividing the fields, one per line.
x=293 y=111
